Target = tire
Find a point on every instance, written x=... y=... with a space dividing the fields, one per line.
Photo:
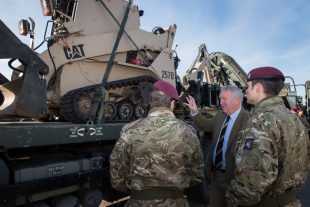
x=91 y=198
x=65 y=201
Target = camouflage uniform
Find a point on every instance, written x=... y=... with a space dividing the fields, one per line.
x=159 y=151
x=272 y=155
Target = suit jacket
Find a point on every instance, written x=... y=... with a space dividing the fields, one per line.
x=214 y=125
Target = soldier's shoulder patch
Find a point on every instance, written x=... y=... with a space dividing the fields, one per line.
x=248 y=145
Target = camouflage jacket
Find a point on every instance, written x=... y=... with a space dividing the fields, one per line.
x=272 y=154
x=157 y=151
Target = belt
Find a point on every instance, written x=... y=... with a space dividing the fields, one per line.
x=155 y=193
x=278 y=200
x=218 y=169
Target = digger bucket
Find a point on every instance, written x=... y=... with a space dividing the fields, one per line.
x=26 y=95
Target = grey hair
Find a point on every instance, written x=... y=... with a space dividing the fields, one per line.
x=235 y=91
x=159 y=98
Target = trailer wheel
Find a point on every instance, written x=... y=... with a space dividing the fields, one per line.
x=91 y=198
x=65 y=201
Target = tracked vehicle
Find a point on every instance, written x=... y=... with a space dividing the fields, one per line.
x=90 y=43
x=63 y=109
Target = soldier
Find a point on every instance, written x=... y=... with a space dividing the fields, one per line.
x=157 y=157
x=224 y=136
x=272 y=151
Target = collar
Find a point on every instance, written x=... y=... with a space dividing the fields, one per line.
x=157 y=111
x=268 y=101
x=234 y=115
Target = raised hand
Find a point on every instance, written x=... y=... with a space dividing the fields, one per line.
x=191 y=104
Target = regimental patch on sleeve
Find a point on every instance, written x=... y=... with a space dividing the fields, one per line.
x=248 y=145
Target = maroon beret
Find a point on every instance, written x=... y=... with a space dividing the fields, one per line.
x=265 y=72
x=166 y=88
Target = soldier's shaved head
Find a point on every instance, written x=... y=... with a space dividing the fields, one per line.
x=158 y=99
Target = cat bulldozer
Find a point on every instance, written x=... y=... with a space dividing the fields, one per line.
x=97 y=60
x=63 y=109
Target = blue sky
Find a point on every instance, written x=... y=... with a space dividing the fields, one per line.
x=254 y=32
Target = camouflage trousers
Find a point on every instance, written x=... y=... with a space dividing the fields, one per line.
x=180 y=202
x=294 y=204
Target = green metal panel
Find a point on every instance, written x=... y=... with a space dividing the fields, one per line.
x=20 y=135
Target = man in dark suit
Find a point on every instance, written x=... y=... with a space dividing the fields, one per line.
x=224 y=127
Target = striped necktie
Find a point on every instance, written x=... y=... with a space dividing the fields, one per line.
x=219 y=148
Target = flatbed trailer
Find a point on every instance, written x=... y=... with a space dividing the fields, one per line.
x=41 y=161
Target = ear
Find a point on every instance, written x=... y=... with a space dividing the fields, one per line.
x=238 y=101
x=172 y=105
x=259 y=88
